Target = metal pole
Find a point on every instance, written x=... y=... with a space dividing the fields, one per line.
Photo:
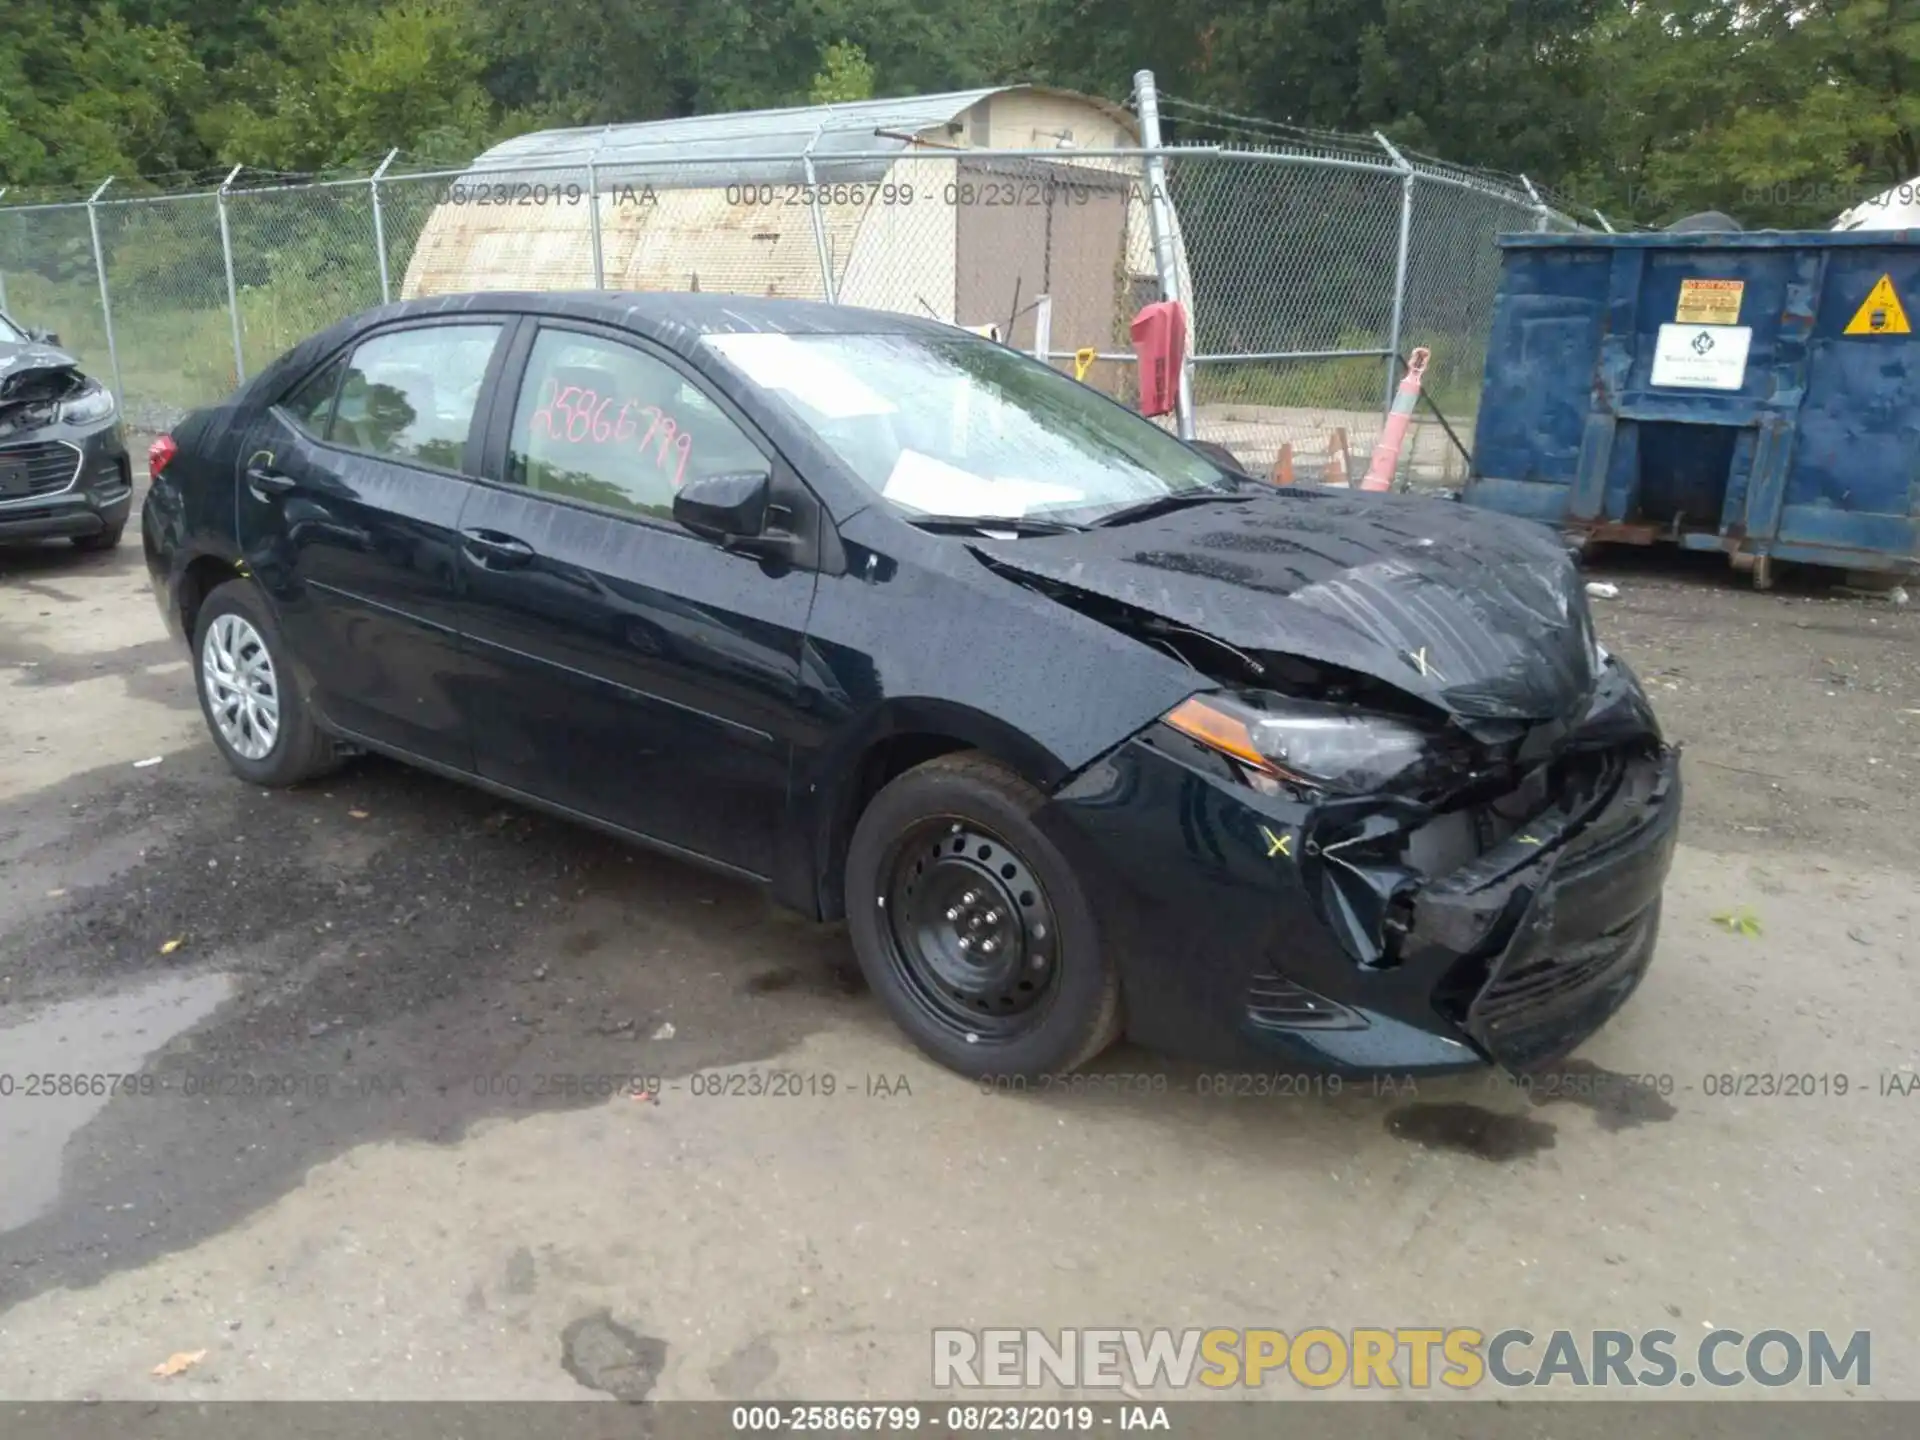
x=828 y=289
x=1042 y=327
x=1161 y=220
x=3 y=268
x=106 y=303
x=1539 y=205
x=1399 y=270
x=1604 y=223
x=233 y=293
x=593 y=214
x=379 y=227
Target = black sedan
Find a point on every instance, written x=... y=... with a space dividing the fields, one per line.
x=63 y=461
x=1082 y=732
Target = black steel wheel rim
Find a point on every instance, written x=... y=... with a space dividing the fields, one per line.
x=969 y=930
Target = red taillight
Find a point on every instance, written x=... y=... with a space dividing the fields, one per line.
x=158 y=454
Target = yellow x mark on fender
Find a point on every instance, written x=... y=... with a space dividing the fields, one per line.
x=1277 y=844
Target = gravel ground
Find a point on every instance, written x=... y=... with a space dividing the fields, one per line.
x=1800 y=707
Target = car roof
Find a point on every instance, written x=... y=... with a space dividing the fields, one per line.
x=676 y=320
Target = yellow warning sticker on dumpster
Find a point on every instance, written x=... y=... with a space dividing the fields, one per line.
x=1882 y=313
x=1710 y=302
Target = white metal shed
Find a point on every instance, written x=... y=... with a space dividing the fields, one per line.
x=915 y=210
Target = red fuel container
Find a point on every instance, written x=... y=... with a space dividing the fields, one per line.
x=1160 y=344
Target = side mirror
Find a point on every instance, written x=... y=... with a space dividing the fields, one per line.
x=1221 y=456
x=45 y=337
x=725 y=507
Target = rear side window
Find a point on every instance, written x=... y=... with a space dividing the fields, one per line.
x=603 y=422
x=311 y=406
x=410 y=394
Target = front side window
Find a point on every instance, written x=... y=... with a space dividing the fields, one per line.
x=604 y=422
x=411 y=394
x=955 y=426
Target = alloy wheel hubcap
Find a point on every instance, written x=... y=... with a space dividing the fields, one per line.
x=970 y=928
x=243 y=692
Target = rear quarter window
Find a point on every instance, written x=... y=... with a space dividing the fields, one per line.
x=411 y=394
x=310 y=406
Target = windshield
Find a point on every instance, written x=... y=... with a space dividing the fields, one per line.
x=958 y=427
x=10 y=333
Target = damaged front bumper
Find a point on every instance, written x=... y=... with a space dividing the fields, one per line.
x=64 y=481
x=1546 y=935
x=1250 y=927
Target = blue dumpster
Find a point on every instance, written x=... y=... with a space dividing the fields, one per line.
x=1754 y=393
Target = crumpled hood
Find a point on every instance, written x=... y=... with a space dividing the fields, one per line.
x=21 y=365
x=1482 y=615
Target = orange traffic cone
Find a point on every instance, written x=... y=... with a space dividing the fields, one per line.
x=1282 y=473
x=1386 y=454
x=1339 y=471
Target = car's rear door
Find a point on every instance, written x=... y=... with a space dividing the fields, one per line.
x=620 y=666
x=349 y=497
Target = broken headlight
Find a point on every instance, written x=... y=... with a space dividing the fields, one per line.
x=1304 y=742
x=93 y=403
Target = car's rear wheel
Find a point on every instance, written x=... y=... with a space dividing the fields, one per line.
x=258 y=718
x=973 y=929
x=100 y=539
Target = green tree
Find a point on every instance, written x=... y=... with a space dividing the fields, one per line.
x=1096 y=45
x=922 y=46
x=581 y=62
x=412 y=80
x=844 y=74
x=1781 y=112
x=338 y=83
x=1506 y=83
x=85 y=93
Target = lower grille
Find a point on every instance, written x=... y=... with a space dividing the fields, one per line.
x=1542 y=984
x=49 y=466
x=1277 y=1003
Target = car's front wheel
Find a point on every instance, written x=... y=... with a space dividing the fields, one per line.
x=973 y=929
x=254 y=709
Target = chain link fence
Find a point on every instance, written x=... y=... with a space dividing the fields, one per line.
x=49 y=277
x=1310 y=264
x=1321 y=261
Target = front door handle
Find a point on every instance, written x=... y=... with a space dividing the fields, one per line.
x=490 y=547
x=268 y=482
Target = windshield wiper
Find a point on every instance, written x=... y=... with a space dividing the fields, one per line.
x=1166 y=504
x=1009 y=524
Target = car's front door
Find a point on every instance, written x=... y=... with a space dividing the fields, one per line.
x=348 y=501
x=620 y=666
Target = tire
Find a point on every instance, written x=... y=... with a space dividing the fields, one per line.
x=296 y=750
x=957 y=834
x=99 y=540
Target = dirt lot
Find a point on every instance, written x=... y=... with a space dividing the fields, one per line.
x=369 y=1153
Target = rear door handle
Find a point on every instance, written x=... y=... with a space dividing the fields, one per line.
x=490 y=547
x=268 y=482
